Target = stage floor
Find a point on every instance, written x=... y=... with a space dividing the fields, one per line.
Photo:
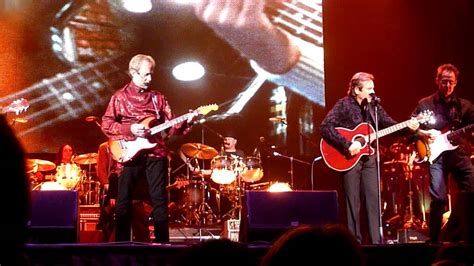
x=137 y=253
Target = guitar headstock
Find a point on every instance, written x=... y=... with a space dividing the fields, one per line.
x=17 y=106
x=426 y=116
x=205 y=109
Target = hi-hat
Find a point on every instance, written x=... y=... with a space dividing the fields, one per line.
x=38 y=165
x=198 y=150
x=87 y=158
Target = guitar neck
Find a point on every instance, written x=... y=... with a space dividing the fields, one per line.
x=390 y=130
x=460 y=131
x=169 y=123
x=301 y=18
x=84 y=87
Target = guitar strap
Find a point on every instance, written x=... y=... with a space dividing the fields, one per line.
x=371 y=112
x=155 y=105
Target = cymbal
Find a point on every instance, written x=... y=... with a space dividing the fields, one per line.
x=38 y=165
x=87 y=158
x=198 y=150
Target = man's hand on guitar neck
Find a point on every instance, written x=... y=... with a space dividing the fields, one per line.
x=413 y=124
x=192 y=117
x=245 y=26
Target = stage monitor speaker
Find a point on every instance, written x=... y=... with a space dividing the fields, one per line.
x=54 y=217
x=269 y=214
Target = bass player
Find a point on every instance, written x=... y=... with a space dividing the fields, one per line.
x=360 y=181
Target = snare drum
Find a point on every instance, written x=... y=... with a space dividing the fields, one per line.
x=223 y=170
x=253 y=171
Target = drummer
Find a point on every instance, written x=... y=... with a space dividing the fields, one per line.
x=68 y=173
x=229 y=146
x=64 y=155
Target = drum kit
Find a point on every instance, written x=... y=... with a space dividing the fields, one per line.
x=71 y=176
x=404 y=189
x=230 y=176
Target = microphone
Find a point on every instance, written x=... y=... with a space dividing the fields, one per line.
x=19 y=120
x=91 y=118
x=222 y=150
x=277 y=119
x=375 y=99
x=220 y=136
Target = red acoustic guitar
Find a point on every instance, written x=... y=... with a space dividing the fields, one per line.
x=363 y=132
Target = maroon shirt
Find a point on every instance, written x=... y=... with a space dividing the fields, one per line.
x=131 y=104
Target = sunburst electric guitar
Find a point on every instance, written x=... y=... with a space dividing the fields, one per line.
x=126 y=150
x=444 y=142
x=364 y=133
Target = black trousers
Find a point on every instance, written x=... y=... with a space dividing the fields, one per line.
x=360 y=186
x=154 y=169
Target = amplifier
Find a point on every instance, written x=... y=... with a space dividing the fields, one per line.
x=88 y=217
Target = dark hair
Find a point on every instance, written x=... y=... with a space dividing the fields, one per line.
x=447 y=67
x=59 y=154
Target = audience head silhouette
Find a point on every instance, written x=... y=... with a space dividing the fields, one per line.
x=316 y=245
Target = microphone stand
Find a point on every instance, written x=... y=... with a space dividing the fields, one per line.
x=312 y=170
x=377 y=166
x=312 y=163
x=291 y=158
x=212 y=130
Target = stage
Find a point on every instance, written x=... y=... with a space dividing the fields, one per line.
x=136 y=253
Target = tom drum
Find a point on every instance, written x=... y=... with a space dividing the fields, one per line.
x=223 y=170
x=253 y=170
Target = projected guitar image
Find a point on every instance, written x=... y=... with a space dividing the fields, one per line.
x=94 y=71
x=91 y=40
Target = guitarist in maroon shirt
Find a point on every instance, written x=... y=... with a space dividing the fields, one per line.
x=360 y=181
x=127 y=109
x=456 y=114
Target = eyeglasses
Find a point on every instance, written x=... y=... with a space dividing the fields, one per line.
x=448 y=81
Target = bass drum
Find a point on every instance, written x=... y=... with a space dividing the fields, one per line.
x=253 y=170
x=194 y=193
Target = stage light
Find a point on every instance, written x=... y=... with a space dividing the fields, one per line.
x=188 y=71
x=279 y=187
x=137 y=6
